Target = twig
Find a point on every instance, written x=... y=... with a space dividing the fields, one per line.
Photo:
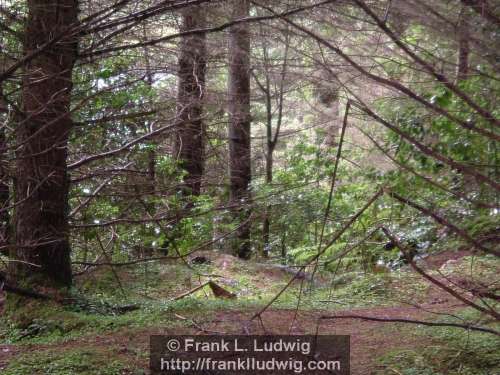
x=327 y=246
x=420 y=322
x=436 y=282
x=441 y=220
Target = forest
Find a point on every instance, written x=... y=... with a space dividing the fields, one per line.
x=241 y=167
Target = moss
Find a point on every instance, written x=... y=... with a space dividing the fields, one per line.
x=53 y=323
x=75 y=361
x=102 y=281
x=21 y=311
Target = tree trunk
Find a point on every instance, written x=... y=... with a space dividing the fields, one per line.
x=272 y=140
x=41 y=217
x=239 y=127
x=266 y=225
x=151 y=153
x=4 y=177
x=190 y=135
x=463 y=36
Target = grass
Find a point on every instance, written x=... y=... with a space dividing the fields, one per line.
x=57 y=327
x=455 y=351
x=50 y=323
x=73 y=361
x=452 y=352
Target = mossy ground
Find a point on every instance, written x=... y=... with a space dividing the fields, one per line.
x=74 y=361
x=451 y=352
x=92 y=336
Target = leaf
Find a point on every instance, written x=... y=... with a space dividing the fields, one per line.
x=444 y=99
x=105 y=73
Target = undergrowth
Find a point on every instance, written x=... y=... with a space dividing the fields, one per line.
x=452 y=352
x=153 y=290
x=73 y=361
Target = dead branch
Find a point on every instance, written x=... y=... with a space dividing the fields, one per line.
x=411 y=321
x=441 y=220
x=191 y=291
x=217 y=290
x=436 y=282
x=327 y=246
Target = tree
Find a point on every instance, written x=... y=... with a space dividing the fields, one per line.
x=190 y=134
x=463 y=35
x=271 y=136
x=239 y=127
x=4 y=176
x=41 y=223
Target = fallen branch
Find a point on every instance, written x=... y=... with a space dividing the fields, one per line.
x=21 y=291
x=217 y=290
x=4 y=286
x=189 y=292
x=420 y=322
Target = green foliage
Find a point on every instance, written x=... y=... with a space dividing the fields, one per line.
x=153 y=218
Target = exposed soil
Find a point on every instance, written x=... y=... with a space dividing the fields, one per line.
x=369 y=340
x=436 y=261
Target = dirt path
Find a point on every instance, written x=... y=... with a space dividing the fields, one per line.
x=369 y=340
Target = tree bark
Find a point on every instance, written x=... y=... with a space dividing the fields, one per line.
x=190 y=142
x=239 y=127
x=41 y=187
x=463 y=36
x=4 y=177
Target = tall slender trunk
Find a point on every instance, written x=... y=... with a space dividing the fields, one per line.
x=41 y=217
x=462 y=72
x=266 y=224
x=463 y=36
x=4 y=177
x=239 y=127
x=333 y=126
x=272 y=139
x=190 y=142
x=151 y=153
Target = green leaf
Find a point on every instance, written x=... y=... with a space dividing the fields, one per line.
x=105 y=73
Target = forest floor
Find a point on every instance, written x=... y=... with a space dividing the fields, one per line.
x=98 y=344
